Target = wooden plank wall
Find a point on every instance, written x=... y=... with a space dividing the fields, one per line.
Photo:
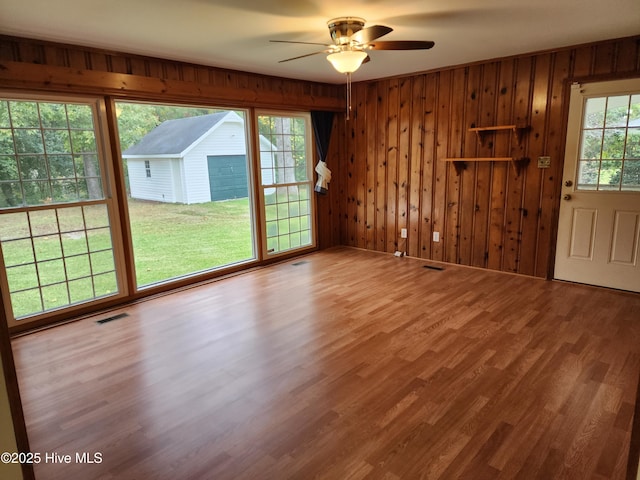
x=489 y=217
x=190 y=79
x=46 y=66
x=386 y=161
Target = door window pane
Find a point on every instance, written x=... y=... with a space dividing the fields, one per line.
x=610 y=144
x=631 y=175
x=594 y=112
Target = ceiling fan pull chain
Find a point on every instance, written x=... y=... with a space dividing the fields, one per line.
x=348 y=94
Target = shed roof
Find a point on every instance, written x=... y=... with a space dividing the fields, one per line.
x=173 y=137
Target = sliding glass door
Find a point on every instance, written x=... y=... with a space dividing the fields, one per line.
x=56 y=213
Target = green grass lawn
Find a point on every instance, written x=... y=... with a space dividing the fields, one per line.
x=170 y=240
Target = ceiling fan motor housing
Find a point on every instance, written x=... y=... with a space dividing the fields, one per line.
x=342 y=28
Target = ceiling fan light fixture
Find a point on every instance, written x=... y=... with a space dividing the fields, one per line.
x=347 y=61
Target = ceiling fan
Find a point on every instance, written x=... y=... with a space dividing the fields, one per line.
x=351 y=41
x=350 y=36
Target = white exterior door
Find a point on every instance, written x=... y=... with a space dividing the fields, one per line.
x=599 y=224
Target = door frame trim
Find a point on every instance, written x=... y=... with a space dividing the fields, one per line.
x=599 y=82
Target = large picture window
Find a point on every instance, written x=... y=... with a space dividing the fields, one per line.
x=188 y=174
x=187 y=181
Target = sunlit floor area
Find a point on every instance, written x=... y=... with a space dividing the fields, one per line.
x=342 y=364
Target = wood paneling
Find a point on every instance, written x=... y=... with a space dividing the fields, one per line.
x=39 y=65
x=44 y=66
x=388 y=172
x=169 y=87
x=488 y=216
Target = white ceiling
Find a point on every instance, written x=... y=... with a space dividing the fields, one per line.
x=235 y=33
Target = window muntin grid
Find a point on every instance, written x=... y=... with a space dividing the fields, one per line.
x=286 y=182
x=55 y=233
x=610 y=144
x=288 y=217
x=48 y=154
x=57 y=257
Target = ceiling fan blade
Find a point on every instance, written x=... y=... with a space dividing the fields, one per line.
x=303 y=56
x=303 y=43
x=369 y=34
x=367 y=59
x=401 y=45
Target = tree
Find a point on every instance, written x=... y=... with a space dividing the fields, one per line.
x=610 y=153
x=9 y=194
x=48 y=153
x=288 y=134
x=135 y=120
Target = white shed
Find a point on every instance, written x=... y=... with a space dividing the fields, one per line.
x=192 y=160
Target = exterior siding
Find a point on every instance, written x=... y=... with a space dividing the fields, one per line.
x=227 y=139
x=179 y=186
x=158 y=187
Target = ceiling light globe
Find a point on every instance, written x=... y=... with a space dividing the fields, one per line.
x=347 y=61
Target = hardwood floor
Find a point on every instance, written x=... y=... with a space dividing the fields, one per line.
x=343 y=364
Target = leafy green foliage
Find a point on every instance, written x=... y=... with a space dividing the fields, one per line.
x=48 y=153
x=288 y=135
x=610 y=150
x=135 y=120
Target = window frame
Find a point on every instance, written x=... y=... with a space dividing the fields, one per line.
x=196 y=276
x=108 y=177
x=265 y=252
x=114 y=189
x=599 y=90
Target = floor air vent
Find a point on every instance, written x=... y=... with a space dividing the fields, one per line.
x=433 y=267
x=297 y=264
x=111 y=319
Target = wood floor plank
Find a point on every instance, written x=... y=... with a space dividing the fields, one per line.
x=349 y=364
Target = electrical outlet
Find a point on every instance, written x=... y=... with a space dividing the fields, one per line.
x=403 y=233
x=436 y=236
x=544 y=162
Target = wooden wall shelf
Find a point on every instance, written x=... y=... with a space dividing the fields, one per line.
x=482 y=131
x=461 y=163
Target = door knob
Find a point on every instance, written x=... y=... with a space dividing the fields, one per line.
x=568 y=183
x=567 y=197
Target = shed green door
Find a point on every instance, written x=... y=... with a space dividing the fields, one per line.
x=227 y=176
